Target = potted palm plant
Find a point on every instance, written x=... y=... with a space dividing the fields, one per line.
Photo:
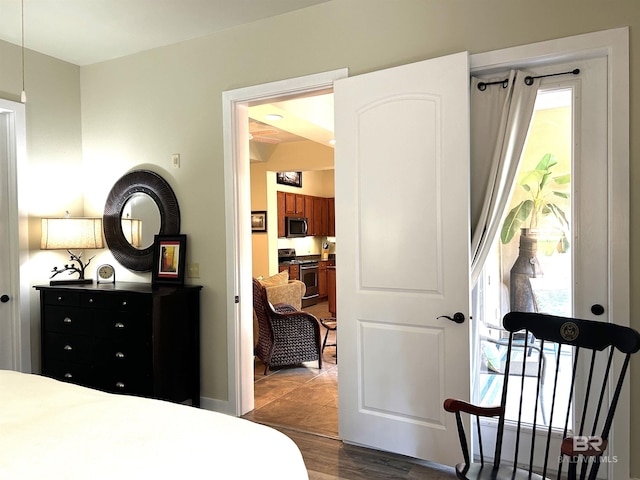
x=545 y=221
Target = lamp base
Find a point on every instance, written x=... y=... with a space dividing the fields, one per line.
x=77 y=281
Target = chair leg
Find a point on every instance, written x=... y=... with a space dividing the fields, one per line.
x=324 y=343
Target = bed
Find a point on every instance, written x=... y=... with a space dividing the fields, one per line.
x=54 y=430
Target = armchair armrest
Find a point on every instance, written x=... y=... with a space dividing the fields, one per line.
x=455 y=406
x=284 y=308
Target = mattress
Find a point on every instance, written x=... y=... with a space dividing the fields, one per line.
x=54 y=430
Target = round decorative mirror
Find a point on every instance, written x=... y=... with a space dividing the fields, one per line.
x=140 y=205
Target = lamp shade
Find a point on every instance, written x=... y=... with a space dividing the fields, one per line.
x=67 y=233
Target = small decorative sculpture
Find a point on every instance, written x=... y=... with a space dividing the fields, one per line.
x=71 y=268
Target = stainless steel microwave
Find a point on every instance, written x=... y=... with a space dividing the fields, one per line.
x=296 y=227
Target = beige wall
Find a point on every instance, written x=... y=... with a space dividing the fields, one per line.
x=140 y=109
x=54 y=172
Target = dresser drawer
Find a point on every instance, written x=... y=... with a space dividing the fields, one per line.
x=69 y=372
x=69 y=348
x=117 y=326
x=66 y=320
x=59 y=297
x=130 y=382
x=124 y=354
x=134 y=303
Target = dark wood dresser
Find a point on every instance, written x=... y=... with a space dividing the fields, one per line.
x=125 y=337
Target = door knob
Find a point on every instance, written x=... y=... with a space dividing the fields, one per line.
x=4 y=298
x=458 y=317
x=597 y=309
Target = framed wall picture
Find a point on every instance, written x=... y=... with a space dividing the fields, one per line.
x=293 y=179
x=259 y=221
x=169 y=258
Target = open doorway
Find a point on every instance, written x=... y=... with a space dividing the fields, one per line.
x=291 y=154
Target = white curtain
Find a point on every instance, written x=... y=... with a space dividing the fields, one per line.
x=500 y=118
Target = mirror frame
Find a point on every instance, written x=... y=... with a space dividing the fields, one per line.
x=131 y=183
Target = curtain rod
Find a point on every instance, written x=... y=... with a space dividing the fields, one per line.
x=528 y=80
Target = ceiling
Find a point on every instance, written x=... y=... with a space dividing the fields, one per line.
x=83 y=32
x=309 y=118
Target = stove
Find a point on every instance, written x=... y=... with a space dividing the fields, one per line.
x=308 y=273
x=286 y=255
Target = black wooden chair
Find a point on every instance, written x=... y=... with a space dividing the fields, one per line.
x=287 y=336
x=331 y=325
x=604 y=351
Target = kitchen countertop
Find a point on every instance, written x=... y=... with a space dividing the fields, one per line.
x=301 y=259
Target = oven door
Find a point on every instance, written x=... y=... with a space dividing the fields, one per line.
x=309 y=275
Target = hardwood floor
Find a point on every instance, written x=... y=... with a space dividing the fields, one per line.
x=329 y=459
x=302 y=402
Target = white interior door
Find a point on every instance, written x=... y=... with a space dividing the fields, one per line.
x=11 y=331
x=402 y=219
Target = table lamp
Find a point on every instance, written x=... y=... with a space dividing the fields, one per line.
x=71 y=233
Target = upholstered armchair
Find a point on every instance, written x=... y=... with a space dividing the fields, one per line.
x=286 y=335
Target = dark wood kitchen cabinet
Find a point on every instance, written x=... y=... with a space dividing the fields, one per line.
x=293 y=269
x=319 y=211
x=124 y=338
x=294 y=204
x=323 y=284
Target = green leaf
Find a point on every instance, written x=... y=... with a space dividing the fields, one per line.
x=516 y=217
x=563 y=179
x=559 y=214
x=548 y=161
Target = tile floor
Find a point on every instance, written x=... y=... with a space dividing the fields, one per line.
x=300 y=397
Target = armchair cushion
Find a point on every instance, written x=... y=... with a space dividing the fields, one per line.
x=278 y=279
x=291 y=293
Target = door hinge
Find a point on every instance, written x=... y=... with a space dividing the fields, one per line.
x=237 y=299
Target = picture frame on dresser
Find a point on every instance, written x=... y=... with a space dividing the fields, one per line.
x=169 y=259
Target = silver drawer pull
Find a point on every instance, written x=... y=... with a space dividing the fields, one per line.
x=68 y=347
x=119 y=385
x=68 y=375
x=119 y=325
x=119 y=355
x=66 y=320
x=60 y=298
x=124 y=303
x=91 y=300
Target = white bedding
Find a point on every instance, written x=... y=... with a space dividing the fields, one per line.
x=53 y=430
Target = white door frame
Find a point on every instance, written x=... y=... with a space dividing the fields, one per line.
x=238 y=208
x=13 y=126
x=614 y=44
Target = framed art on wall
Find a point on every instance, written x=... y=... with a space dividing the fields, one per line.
x=169 y=258
x=293 y=179
x=259 y=221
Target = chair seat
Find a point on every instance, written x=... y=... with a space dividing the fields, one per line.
x=477 y=472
